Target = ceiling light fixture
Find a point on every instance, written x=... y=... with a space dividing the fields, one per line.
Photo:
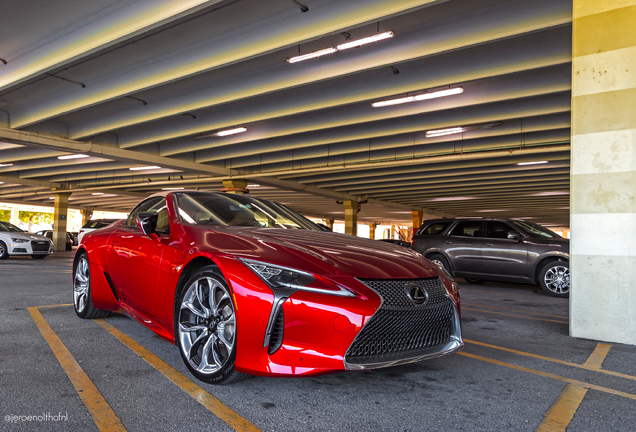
x=252 y=185
x=142 y=168
x=419 y=97
x=532 y=163
x=550 y=193
x=231 y=131
x=174 y=188
x=366 y=40
x=460 y=129
x=73 y=156
x=452 y=199
x=6 y=165
x=311 y=55
x=97 y=193
x=491 y=211
x=1 y=182
x=343 y=46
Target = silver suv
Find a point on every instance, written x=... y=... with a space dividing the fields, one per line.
x=495 y=249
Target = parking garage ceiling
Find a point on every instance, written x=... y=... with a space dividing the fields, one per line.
x=133 y=84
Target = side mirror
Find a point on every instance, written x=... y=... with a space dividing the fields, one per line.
x=147 y=222
x=514 y=235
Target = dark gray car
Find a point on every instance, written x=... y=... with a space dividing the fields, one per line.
x=495 y=249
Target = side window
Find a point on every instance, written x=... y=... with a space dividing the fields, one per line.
x=145 y=206
x=498 y=230
x=435 y=228
x=467 y=229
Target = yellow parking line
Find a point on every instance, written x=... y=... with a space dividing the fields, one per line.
x=58 y=305
x=597 y=357
x=549 y=375
x=217 y=407
x=514 y=315
x=559 y=416
x=553 y=360
x=515 y=310
x=104 y=417
x=561 y=413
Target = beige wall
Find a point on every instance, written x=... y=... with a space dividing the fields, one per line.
x=603 y=171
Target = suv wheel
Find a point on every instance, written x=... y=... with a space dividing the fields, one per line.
x=554 y=278
x=441 y=261
x=475 y=281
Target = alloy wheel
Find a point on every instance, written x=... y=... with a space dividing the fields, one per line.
x=81 y=284
x=207 y=326
x=557 y=279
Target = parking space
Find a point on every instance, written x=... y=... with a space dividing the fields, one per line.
x=519 y=371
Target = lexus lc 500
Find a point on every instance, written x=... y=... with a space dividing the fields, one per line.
x=248 y=286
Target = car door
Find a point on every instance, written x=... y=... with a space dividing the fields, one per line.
x=501 y=255
x=463 y=246
x=134 y=259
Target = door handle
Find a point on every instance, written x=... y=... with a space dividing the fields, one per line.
x=489 y=244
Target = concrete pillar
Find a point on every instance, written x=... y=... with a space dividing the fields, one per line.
x=87 y=214
x=15 y=215
x=418 y=217
x=329 y=223
x=603 y=171
x=351 y=217
x=60 y=212
x=372 y=227
x=235 y=186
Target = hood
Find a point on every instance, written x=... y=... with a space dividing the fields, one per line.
x=328 y=253
x=26 y=236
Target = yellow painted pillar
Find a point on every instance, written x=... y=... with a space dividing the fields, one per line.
x=329 y=223
x=372 y=228
x=351 y=217
x=418 y=217
x=60 y=212
x=235 y=186
x=603 y=171
x=87 y=214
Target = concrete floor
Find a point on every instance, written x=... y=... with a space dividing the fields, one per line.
x=499 y=382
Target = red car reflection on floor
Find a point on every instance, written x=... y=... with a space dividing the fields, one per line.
x=248 y=286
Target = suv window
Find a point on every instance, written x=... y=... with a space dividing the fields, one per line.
x=467 y=229
x=152 y=205
x=435 y=228
x=498 y=230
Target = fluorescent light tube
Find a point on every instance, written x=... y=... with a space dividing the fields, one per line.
x=174 y=188
x=73 y=156
x=532 y=163
x=442 y=132
x=453 y=199
x=97 y=193
x=231 y=131
x=142 y=168
x=311 y=55
x=6 y=165
x=367 y=40
x=420 y=97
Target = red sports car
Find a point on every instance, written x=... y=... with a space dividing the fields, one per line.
x=248 y=286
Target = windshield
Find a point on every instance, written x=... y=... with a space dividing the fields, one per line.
x=238 y=210
x=536 y=230
x=5 y=226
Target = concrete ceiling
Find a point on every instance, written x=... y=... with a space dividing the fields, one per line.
x=148 y=82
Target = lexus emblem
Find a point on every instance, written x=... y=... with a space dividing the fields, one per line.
x=417 y=294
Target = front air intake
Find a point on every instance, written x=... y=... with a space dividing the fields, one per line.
x=276 y=339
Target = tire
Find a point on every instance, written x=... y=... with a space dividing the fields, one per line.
x=475 y=281
x=82 y=300
x=554 y=278
x=441 y=261
x=205 y=328
x=38 y=256
x=4 y=252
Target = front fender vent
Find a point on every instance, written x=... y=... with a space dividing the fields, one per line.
x=276 y=339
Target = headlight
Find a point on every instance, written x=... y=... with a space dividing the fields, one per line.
x=19 y=240
x=283 y=277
